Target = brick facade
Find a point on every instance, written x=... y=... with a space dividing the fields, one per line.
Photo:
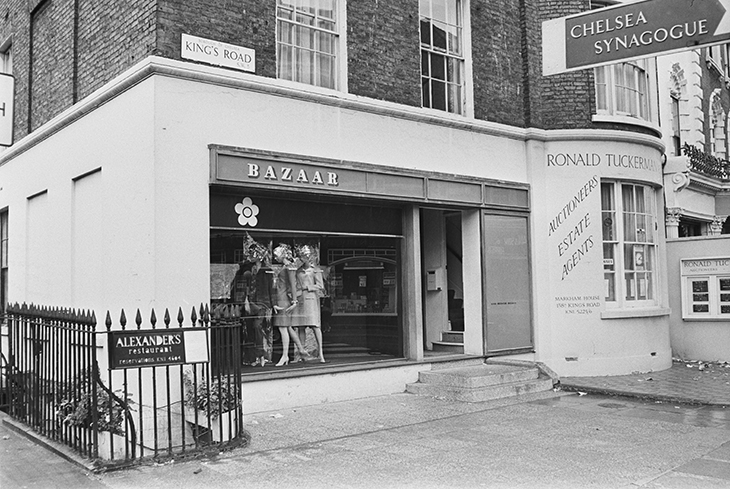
x=63 y=50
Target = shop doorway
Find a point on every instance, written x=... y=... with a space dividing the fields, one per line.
x=443 y=288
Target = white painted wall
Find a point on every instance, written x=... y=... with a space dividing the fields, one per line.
x=582 y=340
x=696 y=340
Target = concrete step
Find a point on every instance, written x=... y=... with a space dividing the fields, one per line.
x=453 y=336
x=478 y=376
x=448 y=346
x=459 y=363
x=480 y=394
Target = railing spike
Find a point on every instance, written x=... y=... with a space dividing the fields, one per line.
x=108 y=321
x=194 y=318
x=123 y=320
x=166 y=319
x=180 y=317
x=138 y=318
x=153 y=318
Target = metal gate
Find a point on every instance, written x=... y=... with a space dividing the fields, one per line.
x=148 y=401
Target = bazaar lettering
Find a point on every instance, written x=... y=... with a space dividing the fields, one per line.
x=287 y=174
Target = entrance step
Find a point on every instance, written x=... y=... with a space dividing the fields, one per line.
x=448 y=346
x=453 y=336
x=480 y=383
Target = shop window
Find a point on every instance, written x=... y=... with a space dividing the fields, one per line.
x=309 y=273
x=3 y=260
x=629 y=244
x=706 y=288
x=442 y=55
x=623 y=90
x=308 y=41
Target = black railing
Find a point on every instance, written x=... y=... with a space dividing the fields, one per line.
x=706 y=164
x=53 y=383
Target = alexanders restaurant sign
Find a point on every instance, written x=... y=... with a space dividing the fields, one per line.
x=155 y=347
x=631 y=31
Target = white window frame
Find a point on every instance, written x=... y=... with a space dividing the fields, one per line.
x=4 y=228
x=711 y=301
x=460 y=56
x=339 y=68
x=631 y=282
x=632 y=78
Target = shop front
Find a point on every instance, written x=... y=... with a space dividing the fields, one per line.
x=329 y=264
x=603 y=297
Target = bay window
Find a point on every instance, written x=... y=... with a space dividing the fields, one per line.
x=622 y=90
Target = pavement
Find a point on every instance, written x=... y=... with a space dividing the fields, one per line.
x=658 y=430
x=690 y=382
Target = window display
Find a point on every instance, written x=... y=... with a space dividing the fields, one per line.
x=307 y=299
x=706 y=288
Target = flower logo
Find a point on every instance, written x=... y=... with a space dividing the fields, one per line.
x=247 y=212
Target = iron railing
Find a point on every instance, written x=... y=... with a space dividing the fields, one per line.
x=53 y=383
x=706 y=164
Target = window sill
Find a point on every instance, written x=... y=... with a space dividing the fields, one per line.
x=620 y=119
x=715 y=319
x=635 y=313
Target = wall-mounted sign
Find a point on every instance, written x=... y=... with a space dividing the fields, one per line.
x=631 y=31
x=218 y=53
x=154 y=347
x=7 y=96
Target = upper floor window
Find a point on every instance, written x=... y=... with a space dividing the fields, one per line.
x=717 y=126
x=308 y=41
x=442 y=55
x=6 y=60
x=629 y=243
x=676 y=137
x=623 y=90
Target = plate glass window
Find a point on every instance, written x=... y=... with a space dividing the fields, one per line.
x=307 y=41
x=442 y=55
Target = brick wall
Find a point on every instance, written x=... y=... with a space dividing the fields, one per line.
x=497 y=61
x=61 y=54
x=384 y=50
x=565 y=101
x=104 y=53
x=248 y=23
x=51 y=60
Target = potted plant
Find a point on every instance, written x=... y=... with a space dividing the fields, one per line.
x=211 y=408
x=75 y=407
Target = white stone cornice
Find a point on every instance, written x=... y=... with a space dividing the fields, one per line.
x=157 y=66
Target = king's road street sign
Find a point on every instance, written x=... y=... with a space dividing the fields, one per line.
x=632 y=31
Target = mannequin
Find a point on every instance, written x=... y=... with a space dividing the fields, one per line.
x=284 y=281
x=310 y=286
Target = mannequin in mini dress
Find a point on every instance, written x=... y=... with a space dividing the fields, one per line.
x=310 y=286
x=284 y=281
